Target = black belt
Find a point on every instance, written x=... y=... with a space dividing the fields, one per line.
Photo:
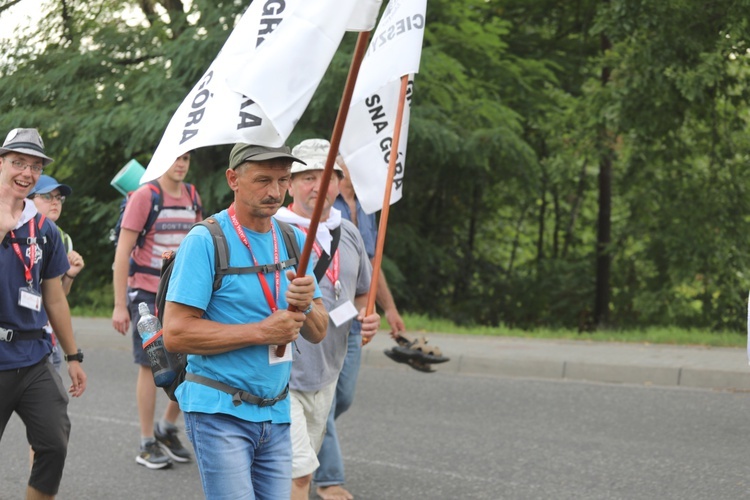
x=8 y=335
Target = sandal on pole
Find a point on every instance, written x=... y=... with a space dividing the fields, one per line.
x=415 y=363
x=417 y=348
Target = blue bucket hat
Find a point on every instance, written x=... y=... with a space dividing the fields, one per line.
x=47 y=184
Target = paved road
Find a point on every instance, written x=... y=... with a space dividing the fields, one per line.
x=454 y=434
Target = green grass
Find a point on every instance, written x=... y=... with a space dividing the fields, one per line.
x=651 y=335
x=101 y=311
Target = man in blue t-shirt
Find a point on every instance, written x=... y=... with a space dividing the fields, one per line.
x=33 y=260
x=237 y=413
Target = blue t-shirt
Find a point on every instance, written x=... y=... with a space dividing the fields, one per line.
x=240 y=300
x=366 y=223
x=51 y=261
x=368 y=228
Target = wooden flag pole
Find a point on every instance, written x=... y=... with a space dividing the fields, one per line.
x=386 y=201
x=338 y=130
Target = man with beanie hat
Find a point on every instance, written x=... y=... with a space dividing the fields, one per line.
x=33 y=259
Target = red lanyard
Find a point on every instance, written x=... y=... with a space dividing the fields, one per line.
x=32 y=252
x=277 y=275
x=331 y=273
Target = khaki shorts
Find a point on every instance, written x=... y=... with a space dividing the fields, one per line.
x=309 y=415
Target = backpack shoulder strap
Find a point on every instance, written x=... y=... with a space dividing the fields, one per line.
x=39 y=219
x=290 y=240
x=193 y=195
x=154 y=186
x=221 y=250
x=157 y=202
x=221 y=253
x=325 y=259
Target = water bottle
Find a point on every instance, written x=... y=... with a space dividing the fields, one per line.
x=149 y=327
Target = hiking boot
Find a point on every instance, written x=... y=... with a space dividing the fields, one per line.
x=152 y=457
x=171 y=445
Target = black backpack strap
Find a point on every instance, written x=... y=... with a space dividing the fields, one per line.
x=40 y=238
x=221 y=252
x=290 y=240
x=325 y=260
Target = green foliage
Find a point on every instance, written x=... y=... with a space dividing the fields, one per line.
x=509 y=121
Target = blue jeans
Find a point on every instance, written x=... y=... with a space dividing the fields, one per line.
x=238 y=459
x=331 y=469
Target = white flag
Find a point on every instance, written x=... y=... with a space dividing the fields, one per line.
x=394 y=51
x=261 y=82
x=363 y=19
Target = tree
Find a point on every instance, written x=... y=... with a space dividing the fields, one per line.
x=101 y=90
x=514 y=142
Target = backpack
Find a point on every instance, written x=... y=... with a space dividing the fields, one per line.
x=39 y=218
x=157 y=202
x=221 y=269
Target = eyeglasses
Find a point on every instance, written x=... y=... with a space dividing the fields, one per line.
x=51 y=197
x=21 y=166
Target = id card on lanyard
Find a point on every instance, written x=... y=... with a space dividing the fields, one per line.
x=270 y=298
x=342 y=312
x=27 y=296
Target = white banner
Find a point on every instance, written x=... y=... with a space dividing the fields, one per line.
x=394 y=51
x=363 y=19
x=261 y=82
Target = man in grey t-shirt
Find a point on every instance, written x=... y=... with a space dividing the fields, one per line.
x=344 y=285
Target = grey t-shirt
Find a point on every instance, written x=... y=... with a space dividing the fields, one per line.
x=318 y=365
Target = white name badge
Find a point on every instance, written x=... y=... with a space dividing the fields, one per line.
x=273 y=359
x=343 y=313
x=30 y=299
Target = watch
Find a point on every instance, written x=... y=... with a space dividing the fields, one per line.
x=75 y=357
x=308 y=310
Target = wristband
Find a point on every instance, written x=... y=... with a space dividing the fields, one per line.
x=308 y=310
x=69 y=276
x=78 y=356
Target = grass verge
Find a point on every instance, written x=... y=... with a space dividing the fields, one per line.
x=651 y=335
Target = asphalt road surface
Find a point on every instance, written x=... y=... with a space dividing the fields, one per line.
x=412 y=435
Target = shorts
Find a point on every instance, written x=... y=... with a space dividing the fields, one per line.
x=135 y=297
x=310 y=411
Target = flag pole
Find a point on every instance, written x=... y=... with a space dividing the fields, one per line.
x=386 y=201
x=338 y=130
